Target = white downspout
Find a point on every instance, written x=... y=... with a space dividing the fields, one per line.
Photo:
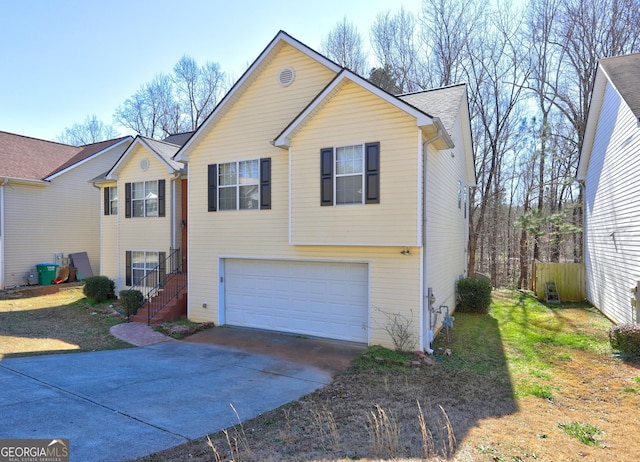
x=427 y=302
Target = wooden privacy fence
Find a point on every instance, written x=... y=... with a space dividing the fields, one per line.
x=569 y=278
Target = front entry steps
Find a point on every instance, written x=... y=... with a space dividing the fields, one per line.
x=176 y=308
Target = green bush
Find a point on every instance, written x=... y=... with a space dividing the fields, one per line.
x=131 y=301
x=474 y=296
x=99 y=288
x=625 y=338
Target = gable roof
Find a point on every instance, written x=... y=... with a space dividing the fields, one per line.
x=162 y=150
x=32 y=159
x=623 y=72
x=281 y=39
x=443 y=103
x=423 y=119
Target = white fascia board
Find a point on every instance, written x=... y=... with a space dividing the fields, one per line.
x=170 y=168
x=93 y=156
x=284 y=139
x=243 y=82
x=597 y=98
x=112 y=173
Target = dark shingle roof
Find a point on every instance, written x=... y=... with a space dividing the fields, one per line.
x=443 y=103
x=624 y=74
x=28 y=158
x=179 y=138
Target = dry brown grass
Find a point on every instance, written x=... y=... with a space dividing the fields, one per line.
x=478 y=405
x=33 y=323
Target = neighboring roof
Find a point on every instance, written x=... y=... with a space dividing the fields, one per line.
x=246 y=80
x=26 y=158
x=443 y=103
x=178 y=138
x=624 y=74
x=162 y=150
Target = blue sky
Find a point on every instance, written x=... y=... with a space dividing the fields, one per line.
x=62 y=60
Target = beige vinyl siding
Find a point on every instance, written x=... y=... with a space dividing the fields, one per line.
x=446 y=225
x=151 y=234
x=109 y=235
x=355 y=116
x=612 y=224
x=62 y=216
x=245 y=133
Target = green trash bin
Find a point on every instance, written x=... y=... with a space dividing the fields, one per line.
x=46 y=273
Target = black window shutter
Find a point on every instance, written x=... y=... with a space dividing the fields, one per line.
x=212 y=185
x=127 y=200
x=162 y=267
x=326 y=176
x=372 y=173
x=107 y=210
x=265 y=184
x=128 y=267
x=161 y=201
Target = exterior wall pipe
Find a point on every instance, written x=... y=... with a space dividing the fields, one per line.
x=425 y=195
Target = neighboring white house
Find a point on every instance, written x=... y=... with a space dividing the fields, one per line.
x=321 y=205
x=49 y=207
x=610 y=171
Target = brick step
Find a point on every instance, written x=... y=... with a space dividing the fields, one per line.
x=175 y=309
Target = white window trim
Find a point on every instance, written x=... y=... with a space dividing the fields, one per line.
x=336 y=175
x=237 y=185
x=113 y=201
x=144 y=200
x=145 y=269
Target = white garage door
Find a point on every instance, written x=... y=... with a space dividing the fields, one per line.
x=319 y=299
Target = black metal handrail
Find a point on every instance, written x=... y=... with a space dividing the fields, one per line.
x=159 y=286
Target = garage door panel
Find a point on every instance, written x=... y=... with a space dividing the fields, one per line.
x=310 y=298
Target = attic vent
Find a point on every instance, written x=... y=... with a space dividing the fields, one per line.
x=144 y=164
x=286 y=76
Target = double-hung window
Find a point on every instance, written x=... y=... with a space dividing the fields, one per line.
x=145 y=199
x=350 y=174
x=111 y=200
x=144 y=268
x=349 y=167
x=239 y=185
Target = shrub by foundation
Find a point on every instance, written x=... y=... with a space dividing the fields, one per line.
x=474 y=296
x=131 y=301
x=99 y=288
x=625 y=338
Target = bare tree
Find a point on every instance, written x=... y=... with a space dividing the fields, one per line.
x=396 y=49
x=152 y=110
x=447 y=29
x=90 y=131
x=497 y=75
x=343 y=45
x=198 y=89
x=173 y=104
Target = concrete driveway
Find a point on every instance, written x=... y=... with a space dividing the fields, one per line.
x=122 y=404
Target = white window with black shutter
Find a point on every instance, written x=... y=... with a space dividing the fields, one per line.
x=111 y=200
x=145 y=199
x=350 y=174
x=239 y=185
x=144 y=269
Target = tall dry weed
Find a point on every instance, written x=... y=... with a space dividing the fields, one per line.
x=384 y=433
